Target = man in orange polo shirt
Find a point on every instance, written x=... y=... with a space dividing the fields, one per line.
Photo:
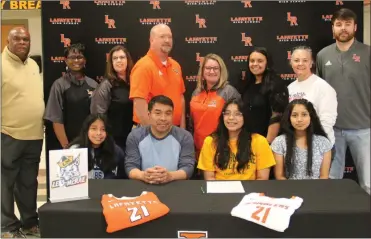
x=157 y=74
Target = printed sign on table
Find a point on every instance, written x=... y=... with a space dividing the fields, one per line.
x=68 y=175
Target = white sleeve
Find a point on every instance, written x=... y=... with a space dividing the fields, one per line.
x=327 y=108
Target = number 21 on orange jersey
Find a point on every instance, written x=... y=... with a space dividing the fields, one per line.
x=137 y=212
x=257 y=215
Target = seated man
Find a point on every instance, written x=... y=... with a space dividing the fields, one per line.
x=161 y=152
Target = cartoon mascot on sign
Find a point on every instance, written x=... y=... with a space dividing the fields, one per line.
x=68 y=169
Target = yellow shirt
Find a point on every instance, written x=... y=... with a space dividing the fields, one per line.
x=263 y=158
x=22 y=98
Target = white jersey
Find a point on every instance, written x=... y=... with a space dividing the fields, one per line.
x=273 y=213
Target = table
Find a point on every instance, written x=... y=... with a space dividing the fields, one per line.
x=331 y=208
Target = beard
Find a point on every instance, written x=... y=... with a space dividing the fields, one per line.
x=345 y=38
x=166 y=49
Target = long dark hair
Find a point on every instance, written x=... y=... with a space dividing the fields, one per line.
x=110 y=73
x=106 y=150
x=314 y=128
x=221 y=142
x=269 y=75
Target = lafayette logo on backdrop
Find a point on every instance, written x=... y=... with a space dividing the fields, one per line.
x=246 y=19
x=57 y=59
x=201 y=21
x=201 y=40
x=66 y=41
x=247 y=4
x=199 y=58
x=110 y=22
x=110 y=3
x=246 y=39
x=154 y=21
x=65 y=21
x=192 y=78
x=111 y=40
x=200 y=2
x=292 y=19
x=288 y=76
x=20 y=5
x=240 y=58
x=292 y=38
x=326 y=18
x=65 y=4
x=155 y=4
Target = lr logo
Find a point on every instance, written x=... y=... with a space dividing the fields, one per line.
x=292 y=19
x=65 y=4
x=246 y=39
x=338 y=2
x=66 y=41
x=156 y=4
x=289 y=55
x=199 y=58
x=201 y=21
x=109 y=22
x=247 y=4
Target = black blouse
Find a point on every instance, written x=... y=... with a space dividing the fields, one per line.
x=258 y=107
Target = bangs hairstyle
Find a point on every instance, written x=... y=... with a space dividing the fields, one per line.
x=220 y=137
x=107 y=147
x=223 y=80
x=110 y=73
x=314 y=128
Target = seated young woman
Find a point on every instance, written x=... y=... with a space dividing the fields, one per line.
x=105 y=158
x=232 y=152
x=303 y=150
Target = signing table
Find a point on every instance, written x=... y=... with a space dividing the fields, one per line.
x=331 y=208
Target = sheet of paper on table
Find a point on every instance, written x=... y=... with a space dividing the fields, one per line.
x=224 y=187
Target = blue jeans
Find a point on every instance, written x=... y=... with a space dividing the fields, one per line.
x=358 y=142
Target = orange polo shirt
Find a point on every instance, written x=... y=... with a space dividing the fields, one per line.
x=150 y=77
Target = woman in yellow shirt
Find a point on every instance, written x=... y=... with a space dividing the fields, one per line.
x=233 y=153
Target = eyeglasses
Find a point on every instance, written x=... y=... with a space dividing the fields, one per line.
x=209 y=68
x=79 y=57
x=234 y=114
x=116 y=58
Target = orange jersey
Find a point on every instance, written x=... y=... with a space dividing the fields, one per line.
x=125 y=212
x=206 y=107
x=150 y=77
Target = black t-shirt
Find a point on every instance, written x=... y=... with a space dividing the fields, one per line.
x=69 y=103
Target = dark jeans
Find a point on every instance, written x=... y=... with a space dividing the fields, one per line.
x=19 y=169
